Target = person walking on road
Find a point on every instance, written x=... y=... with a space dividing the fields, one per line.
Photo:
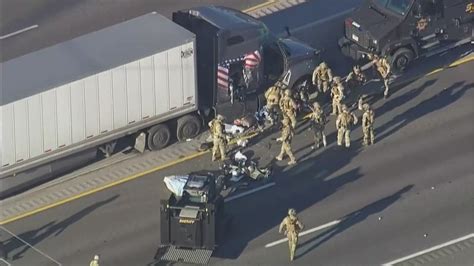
x=291 y=227
x=95 y=261
x=286 y=136
x=288 y=107
x=344 y=122
x=218 y=137
x=368 y=125
x=322 y=77
x=318 y=123
x=337 y=93
x=383 y=68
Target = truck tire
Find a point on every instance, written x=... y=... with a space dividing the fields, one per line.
x=188 y=127
x=400 y=60
x=159 y=136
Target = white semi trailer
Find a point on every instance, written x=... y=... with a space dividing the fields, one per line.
x=87 y=92
x=148 y=77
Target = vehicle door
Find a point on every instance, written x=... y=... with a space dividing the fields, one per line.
x=427 y=21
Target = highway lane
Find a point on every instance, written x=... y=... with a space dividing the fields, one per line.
x=60 y=20
x=121 y=223
x=424 y=140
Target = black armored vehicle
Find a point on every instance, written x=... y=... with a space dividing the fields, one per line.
x=406 y=29
x=193 y=219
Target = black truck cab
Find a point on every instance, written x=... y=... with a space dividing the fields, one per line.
x=406 y=29
x=224 y=38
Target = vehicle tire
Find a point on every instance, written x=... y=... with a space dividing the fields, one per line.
x=188 y=127
x=401 y=59
x=159 y=136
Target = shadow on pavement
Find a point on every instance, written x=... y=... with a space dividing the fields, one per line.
x=440 y=100
x=252 y=220
x=350 y=220
x=35 y=236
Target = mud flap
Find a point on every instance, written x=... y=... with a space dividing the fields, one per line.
x=174 y=254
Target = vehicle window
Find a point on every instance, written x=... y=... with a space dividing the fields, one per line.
x=381 y=2
x=235 y=40
x=399 y=6
x=273 y=62
x=431 y=8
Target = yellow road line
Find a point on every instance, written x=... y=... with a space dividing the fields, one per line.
x=113 y=184
x=264 y=4
x=434 y=71
x=92 y=191
x=456 y=63
x=462 y=61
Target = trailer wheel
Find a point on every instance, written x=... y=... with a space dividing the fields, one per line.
x=159 y=136
x=188 y=127
x=400 y=60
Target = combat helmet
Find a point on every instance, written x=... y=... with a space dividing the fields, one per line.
x=292 y=212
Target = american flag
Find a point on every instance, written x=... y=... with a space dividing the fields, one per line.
x=223 y=76
x=252 y=59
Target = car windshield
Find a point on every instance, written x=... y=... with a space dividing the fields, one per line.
x=398 y=6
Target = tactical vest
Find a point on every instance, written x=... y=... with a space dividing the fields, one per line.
x=369 y=116
x=323 y=74
x=346 y=120
x=217 y=128
x=292 y=225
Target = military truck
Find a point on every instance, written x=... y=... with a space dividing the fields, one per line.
x=149 y=79
x=193 y=221
x=404 y=30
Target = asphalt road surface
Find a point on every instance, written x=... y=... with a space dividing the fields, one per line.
x=60 y=20
x=410 y=191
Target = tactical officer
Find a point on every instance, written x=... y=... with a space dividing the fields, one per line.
x=287 y=134
x=291 y=227
x=318 y=122
x=337 y=93
x=95 y=261
x=344 y=122
x=272 y=95
x=368 y=124
x=218 y=137
x=322 y=76
x=288 y=107
x=383 y=68
x=356 y=78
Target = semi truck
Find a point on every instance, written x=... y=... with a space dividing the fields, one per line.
x=148 y=78
x=403 y=30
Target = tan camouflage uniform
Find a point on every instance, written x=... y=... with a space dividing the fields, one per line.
x=288 y=107
x=344 y=122
x=291 y=227
x=318 y=123
x=322 y=76
x=287 y=134
x=368 y=125
x=337 y=93
x=383 y=67
x=219 y=142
